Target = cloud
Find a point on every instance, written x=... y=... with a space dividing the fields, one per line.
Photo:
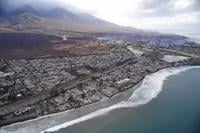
x=152 y=4
x=149 y=14
x=38 y=4
x=196 y=5
x=162 y=8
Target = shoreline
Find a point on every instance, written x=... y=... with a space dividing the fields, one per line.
x=71 y=110
x=59 y=115
x=136 y=99
x=58 y=118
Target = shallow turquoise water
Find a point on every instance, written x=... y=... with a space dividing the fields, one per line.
x=175 y=110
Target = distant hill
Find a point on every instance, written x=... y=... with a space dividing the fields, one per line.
x=27 y=18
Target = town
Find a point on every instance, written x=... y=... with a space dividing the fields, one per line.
x=30 y=88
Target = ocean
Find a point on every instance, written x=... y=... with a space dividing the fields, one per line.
x=167 y=101
x=175 y=110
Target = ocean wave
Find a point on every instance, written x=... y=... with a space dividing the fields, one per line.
x=146 y=92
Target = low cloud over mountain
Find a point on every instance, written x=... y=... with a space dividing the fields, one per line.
x=27 y=17
x=183 y=15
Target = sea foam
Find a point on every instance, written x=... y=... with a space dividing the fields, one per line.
x=147 y=91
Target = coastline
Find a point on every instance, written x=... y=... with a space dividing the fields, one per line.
x=68 y=116
x=60 y=117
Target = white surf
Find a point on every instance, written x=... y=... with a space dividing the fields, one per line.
x=149 y=89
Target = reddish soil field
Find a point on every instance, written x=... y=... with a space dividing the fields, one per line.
x=29 y=45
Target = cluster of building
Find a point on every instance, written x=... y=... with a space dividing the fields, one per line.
x=153 y=40
x=110 y=74
x=107 y=85
x=23 y=78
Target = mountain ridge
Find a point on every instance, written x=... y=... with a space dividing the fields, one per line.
x=26 y=18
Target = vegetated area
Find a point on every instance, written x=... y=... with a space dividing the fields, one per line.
x=34 y=45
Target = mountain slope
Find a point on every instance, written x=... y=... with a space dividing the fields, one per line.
x=27 y=18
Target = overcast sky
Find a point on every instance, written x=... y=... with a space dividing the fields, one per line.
x=146 y=14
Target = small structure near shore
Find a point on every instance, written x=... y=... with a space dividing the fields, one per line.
x=64 y=37
x=122 y=83
x=22 y=111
